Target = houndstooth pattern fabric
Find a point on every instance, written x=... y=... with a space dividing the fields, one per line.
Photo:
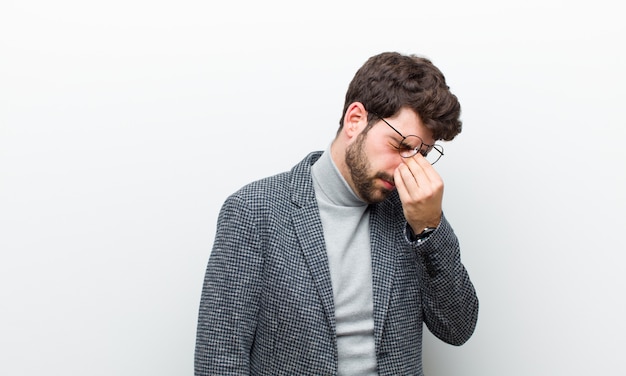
x=267 y=300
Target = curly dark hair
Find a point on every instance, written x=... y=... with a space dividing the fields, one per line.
x=389 y=81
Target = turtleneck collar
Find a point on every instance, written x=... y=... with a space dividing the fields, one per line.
x=330 y=185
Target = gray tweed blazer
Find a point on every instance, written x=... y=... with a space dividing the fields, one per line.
x=267 y=300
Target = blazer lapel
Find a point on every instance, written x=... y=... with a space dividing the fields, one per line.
x=383 y=230
x=308 y=228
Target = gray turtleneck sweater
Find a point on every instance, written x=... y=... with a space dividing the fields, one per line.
x=345 y=219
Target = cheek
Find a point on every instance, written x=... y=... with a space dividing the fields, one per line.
x=387 y=163
x=389 y=159
x=382 y=158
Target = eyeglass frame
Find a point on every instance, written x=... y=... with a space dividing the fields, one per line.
x=437 y=147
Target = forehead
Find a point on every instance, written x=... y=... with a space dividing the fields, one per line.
x=408 y=122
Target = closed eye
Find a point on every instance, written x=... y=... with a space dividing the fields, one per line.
x=402 y=146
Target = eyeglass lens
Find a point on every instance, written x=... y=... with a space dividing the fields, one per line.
x=414 y=144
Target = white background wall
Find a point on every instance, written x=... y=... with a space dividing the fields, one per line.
x=125 y=124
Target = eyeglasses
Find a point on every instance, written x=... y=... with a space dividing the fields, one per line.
x=412 y=144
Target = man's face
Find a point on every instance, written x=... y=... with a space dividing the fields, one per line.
x=373 y=156
x=370 y=185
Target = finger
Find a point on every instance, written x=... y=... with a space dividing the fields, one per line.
x=418 y=170
x=402 y=176
x=408 y=183
x=429 y=170
x=431 y=181
x=427 y=179
x=424 y=169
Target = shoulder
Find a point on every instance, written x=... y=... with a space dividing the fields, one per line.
x=282 y=187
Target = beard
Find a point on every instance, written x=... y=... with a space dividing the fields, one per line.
x=364 y=181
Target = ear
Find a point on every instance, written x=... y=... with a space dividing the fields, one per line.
x=355 y=119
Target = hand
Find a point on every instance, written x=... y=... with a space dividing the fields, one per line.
x=421 y=191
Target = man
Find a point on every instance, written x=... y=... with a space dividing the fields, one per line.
x=333 y=267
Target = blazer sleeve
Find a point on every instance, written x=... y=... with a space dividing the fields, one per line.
x=230 y=294
x=450 y=304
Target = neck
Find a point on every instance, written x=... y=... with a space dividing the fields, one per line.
x=338 y=154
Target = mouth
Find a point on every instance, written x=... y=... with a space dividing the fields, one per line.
x=389 y=185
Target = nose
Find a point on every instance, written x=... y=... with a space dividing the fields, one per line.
x=398 y=162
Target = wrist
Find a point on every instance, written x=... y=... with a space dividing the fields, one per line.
x=423 y=234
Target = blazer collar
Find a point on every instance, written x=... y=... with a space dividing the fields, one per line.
x=301 y=186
